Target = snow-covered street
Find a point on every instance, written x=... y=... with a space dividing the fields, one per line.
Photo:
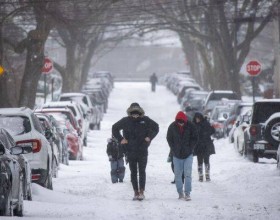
x=239 y=189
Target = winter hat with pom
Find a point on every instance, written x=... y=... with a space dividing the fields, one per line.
x=181 y=116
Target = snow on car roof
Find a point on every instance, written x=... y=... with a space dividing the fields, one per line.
x=11 y=111
x=268 y=100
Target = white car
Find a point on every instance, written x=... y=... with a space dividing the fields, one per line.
x=26 y=130
x=78 y=113
x=238 y=135
x=86 y=103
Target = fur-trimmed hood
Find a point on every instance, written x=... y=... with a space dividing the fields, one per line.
x=135 y=107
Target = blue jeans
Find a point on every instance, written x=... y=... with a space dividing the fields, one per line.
x=183 y=166
x=117 y=170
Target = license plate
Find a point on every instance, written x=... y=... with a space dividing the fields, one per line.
x=259 y=146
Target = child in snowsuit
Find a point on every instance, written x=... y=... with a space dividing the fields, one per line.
x=115 y=153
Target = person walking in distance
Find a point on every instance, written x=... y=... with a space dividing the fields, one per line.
x=138 y=131
x=182 y=138
x=153 y=81
x=205 y=146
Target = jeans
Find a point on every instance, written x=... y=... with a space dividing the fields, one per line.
x=183 y=166
x=117 y=170
x=135 y=163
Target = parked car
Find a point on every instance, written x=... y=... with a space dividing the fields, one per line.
x=11 y=177
x=26 y=130
x=53 y=138
x=78 y=113
x=85 y=101
x=262 y=137
x=214 y=97
x=198 y=96
x=238 y=109
x=7 y=140
x=217 y=118
x=241 y=125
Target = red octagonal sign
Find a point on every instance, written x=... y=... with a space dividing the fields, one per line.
x=48 y=66
x=254 y=68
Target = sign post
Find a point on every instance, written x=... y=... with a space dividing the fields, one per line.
x=47 y=69
x=253 y=68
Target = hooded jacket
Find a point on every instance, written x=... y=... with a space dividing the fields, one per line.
x=135 y=130
x=205 y=144
x=181 y=139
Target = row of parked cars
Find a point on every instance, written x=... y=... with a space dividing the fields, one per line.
x=33 y=143
x=253 y=128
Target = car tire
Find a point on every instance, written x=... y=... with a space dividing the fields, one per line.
x=29 y=193
x=271 y=132
x=255 y=157
x=85 y=141
x=8 y=211
x=19 y=210
x=91 y=126
x=49 y=182
x=54 y=168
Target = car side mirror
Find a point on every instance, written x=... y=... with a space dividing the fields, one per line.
x=48 y=134
x=2 y=149
x=16 y=150
x=225 y=116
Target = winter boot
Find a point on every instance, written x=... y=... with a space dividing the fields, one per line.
x=181 y=196
x=136 y=195
x=200 y=173
x=141 y=195
x=207 y=172
x=187 y=197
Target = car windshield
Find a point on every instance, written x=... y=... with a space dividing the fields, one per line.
x=219 y=96
x=16 y=125
x=211 y=104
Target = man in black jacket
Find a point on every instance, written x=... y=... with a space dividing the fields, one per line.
x=138 y=131
x=182 y=138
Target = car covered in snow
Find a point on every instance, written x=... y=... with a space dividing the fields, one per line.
x=26 y=130
x=262 y=137
x=13 y=176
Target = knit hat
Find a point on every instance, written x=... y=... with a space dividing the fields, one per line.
x=135 y=108
x=181 y=116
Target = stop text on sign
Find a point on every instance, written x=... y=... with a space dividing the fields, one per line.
x=253 y=68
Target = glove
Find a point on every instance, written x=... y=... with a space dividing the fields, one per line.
x=169 y=159
x=110 y=158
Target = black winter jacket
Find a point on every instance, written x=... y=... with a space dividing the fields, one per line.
x=115 y=150
x=205 y=144
x=135 y=130
x=182 y=145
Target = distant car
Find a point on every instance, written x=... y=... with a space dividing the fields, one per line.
x=217 y=118
x=214 y=97
x=197 y=95
x=11 y=178
x=26 y=129
x=262 y=137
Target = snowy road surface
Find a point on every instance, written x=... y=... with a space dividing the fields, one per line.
x=239 y=189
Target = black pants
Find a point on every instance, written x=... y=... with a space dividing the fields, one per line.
x=138 y=163
x=203 y=158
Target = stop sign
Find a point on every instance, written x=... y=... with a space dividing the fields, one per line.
x=254 y=68
x=48 y=66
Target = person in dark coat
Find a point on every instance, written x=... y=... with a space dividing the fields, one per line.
x=205 y=146
x=153 y=81
x=182 y=138
x=138 y=131
x=115 y=153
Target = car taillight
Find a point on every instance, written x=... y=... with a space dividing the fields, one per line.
x=36 y=144
x=217 y=125
x=253 y=130
x=35 y=177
